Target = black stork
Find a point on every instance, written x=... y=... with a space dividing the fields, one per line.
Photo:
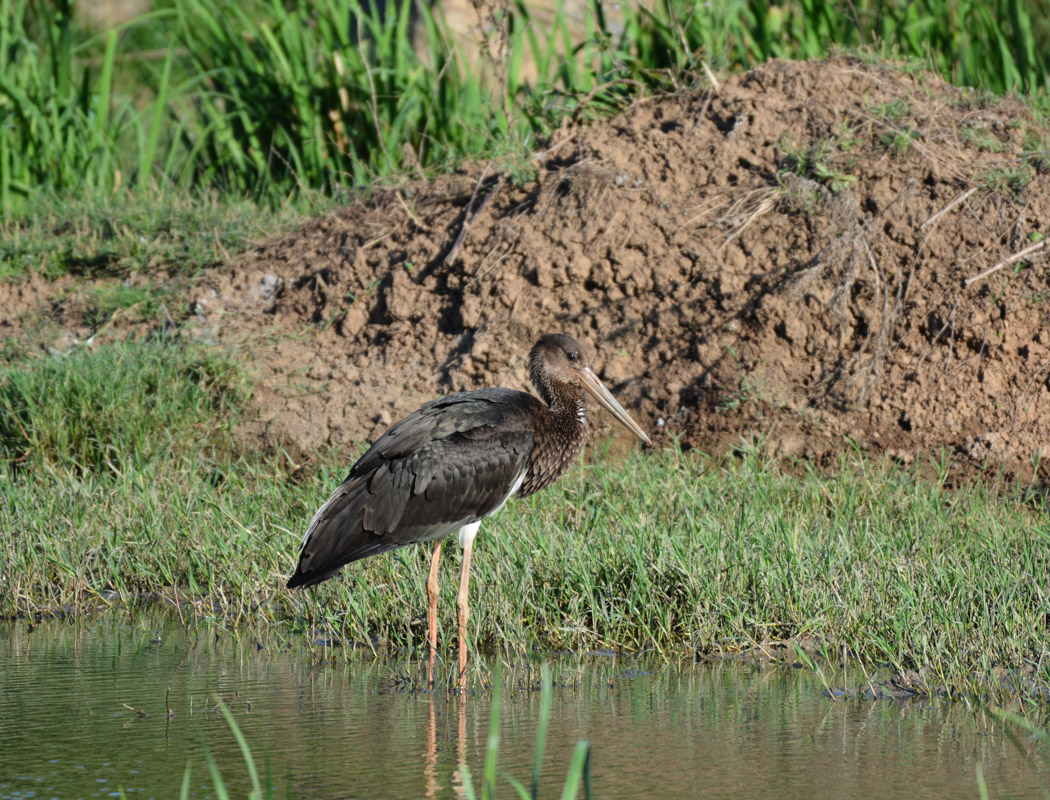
x=452 y=463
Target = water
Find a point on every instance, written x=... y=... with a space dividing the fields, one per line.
x=343 y=728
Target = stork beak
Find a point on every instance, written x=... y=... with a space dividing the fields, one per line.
x=598 y=391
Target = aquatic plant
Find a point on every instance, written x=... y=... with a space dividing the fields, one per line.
x=579 y=774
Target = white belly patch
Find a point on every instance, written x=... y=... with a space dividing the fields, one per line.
x=468 y=532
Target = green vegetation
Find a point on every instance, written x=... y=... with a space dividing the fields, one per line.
x=820 y=161
x=899 y=141
x=263 y=787
x=265 y=99
x=121 y=235
x=891 y=112
x=119 y=479
x=983 y=138
x=1010 y=180
x=116 y=410
x=579 y=774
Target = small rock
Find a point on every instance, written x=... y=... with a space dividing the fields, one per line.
x=267 y=289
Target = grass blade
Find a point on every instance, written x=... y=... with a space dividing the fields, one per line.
x=488 y=784
x=546 y=693
x=579 y=772
x=249 y=762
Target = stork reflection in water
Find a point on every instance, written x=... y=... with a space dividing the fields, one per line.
x=455 y=461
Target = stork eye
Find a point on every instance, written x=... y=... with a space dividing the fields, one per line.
x=572 y=356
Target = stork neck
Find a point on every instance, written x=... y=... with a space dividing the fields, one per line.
x=569 y=404
x=559 y=435
x=563 y=400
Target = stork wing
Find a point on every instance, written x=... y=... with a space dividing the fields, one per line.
x=450 y=463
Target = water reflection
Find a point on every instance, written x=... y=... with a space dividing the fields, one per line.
x=329 y=727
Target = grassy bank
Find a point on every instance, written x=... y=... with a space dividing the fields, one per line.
x=661 y=551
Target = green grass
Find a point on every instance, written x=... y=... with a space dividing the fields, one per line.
x=265 y=99
x=899 y=142
x=129 y=486
x=984 y=138
x=180 y=232
x=1010 y=180
x=820 y=161
x=117 y=410
x=891 y=112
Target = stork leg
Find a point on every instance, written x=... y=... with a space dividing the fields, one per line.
x=432 y=604
x=464 y=612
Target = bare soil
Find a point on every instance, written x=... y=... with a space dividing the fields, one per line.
x=783 y=257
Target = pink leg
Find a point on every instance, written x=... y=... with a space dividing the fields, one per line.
x=432 y=604
x=464 y=613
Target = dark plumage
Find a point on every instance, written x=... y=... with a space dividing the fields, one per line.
x=453 y=462
x=448 y=464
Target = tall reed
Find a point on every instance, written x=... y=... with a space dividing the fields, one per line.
x=64 y=129
x=262 y=97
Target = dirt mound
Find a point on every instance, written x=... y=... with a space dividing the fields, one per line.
x=786 y=254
